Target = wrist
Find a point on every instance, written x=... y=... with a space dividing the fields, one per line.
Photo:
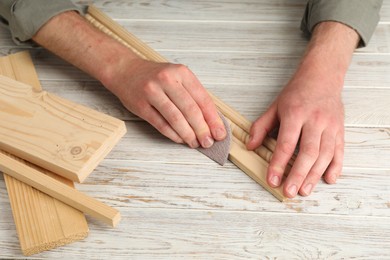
x=119 y=62
x=328 y=54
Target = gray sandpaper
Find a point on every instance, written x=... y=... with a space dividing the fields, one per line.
x=219 y=151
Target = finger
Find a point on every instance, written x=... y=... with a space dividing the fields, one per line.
x=261 y=127
x=192 y=113
x=288 y=136
x=308 y=153
x=158 y=121
x=206 y=105
x=327 y=150
x=175 y=118
x=336 y=166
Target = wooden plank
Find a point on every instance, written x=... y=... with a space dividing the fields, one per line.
x=206 y=10
x=19 y=66
x=107 y=25
x=364 y=107
x=181 y=186
x=152 y=233
x=220 y=70
x=42 y=222
x=54 y=133
x=11 y=166
x=216 y=36
x=215 y=10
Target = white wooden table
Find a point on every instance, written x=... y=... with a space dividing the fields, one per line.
x=177 y=203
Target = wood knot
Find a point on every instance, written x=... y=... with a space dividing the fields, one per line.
x=76 y=150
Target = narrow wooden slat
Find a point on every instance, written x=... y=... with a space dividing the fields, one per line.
x=11 y=166
x=23 y=69
x=109 y=26
x=42 y=222
x=54 y=133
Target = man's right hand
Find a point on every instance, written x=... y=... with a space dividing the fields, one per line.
x=169 y=97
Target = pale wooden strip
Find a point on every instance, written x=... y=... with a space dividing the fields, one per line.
x=221 y=70
x=54 y=133
x=24 y=70
x=215 y=10
x=196 y=186
x=256 y=38
x=42 y=222
x=364 y=107
x=58 y=190
x=166 y=234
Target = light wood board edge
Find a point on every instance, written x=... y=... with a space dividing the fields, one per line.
x=42 y=222
x=13 y=167
x=101 y=21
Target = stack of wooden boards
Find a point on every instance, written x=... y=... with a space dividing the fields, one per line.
x=46 y=143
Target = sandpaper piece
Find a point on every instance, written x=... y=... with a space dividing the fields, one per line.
x=219 y=151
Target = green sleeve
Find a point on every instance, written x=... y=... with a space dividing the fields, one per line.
x=25 y=17
x=361 y=15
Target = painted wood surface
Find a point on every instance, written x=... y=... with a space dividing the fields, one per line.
x=175 y=202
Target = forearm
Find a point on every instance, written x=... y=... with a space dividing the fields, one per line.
x=168 y=96
x=72 y=38
x=329 y=52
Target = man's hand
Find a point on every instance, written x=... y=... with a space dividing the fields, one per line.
x=309 y=111
x=168 y=96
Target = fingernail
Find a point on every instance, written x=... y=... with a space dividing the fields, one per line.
x=194 y=144
x=220 y=133
x=292 y=190
x=207 y=142
x=333 y=178
x=275 y=180
x=307 y=189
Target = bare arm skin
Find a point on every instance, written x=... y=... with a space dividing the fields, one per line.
x=168 y=96
x=310 y=109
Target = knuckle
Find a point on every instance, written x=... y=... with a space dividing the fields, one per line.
x=295 y=111
x=150 y=89
x=192 y=109
x=287 y=148
x=327 y=153
x=310 y=150
x=182 y=68
x=162 y=126
x=175 y=117
x=164 y=75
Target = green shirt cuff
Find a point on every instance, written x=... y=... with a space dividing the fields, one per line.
x=361 y=15
x=26 y=17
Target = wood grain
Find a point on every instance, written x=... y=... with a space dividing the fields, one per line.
x=53 y=133
x=175 y=202
x=10 y=165
x=215 y=10
x=364 y=106
x=41 y=221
